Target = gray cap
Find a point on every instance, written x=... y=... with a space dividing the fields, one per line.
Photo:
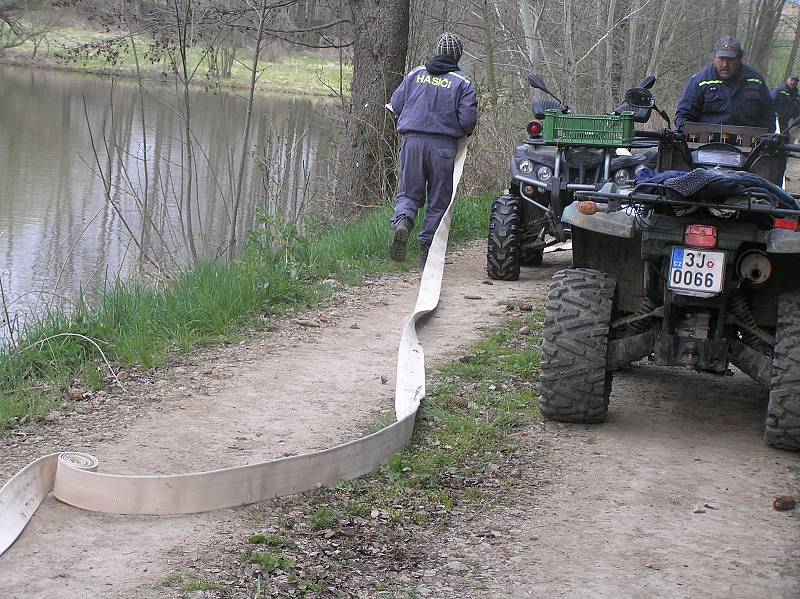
x=728 y=47
x=451 y=45
x=793 y=77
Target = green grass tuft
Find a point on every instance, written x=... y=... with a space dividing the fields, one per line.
x=273 y=541
x=190 y=583
x=270 y=561
x=322 y=518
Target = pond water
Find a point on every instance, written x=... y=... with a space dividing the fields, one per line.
x=88 y=187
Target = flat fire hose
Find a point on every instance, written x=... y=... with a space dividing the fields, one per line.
x=73 y=478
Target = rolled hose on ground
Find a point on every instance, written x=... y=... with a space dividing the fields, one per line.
x=73 y=478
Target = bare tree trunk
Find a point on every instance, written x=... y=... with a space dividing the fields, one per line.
x=793 y=53
x=600 y=17
x=145 y=224
x=488 y=44
x=380 y=42
x=612 y=7
x=262 y=19
x=569 y=51
x=730 y=16
x=753 y=10
x=182 y=70
x=632 y=74
x=766 y=25
x=718 y=19
x=529 y=31
x=652 y=66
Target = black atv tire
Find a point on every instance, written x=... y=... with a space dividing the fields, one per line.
x=782 y=428
x=575 y=384
x=503 y=249
x=532 y=257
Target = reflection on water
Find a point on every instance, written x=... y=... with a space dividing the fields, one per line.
x=76 y=176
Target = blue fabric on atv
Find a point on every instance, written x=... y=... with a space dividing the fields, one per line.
x=712 y=185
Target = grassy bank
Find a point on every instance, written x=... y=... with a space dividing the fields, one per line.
x=132 y=324
x=112 y=54
x=367 y=537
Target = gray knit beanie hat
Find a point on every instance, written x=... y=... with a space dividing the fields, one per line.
x=450 y=45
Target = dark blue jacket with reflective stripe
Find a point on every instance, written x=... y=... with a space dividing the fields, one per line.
x=743 y=100
x=785 y=101
x=436 y=103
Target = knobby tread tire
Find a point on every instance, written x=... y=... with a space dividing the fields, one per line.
x=574 y=385
x=782 y=428
x=503 y=249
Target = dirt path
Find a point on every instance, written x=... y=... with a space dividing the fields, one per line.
x=305 y=388
x=672 y=497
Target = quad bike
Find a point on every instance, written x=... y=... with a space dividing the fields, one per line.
x=544 y=177
x=696 y=266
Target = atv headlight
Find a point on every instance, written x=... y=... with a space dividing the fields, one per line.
x=543 y=173
x=525 y=167
x=621 y=177
x=638 y=170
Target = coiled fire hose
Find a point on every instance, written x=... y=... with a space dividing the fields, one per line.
x=73 y=478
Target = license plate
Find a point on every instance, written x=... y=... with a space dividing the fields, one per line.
x=696 y=272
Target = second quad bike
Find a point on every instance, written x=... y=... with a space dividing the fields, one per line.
x=548 y=168
x=695 y=266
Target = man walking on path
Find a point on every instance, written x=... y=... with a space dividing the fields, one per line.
x=785 y=100
x=436 y=106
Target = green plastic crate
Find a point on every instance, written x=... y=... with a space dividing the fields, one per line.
x=591 y=130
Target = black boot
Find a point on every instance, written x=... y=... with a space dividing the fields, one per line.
x=402 y=230
x=423 y=255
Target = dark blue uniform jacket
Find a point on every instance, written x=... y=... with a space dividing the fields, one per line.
x=743 y=100
x=436 y=99
x=786 y=102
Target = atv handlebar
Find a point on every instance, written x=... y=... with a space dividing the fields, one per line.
x=663 y=134
x=649 y=134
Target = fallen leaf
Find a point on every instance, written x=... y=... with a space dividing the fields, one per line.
x=783 y=503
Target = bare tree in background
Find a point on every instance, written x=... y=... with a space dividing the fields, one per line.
x=793 y=52
x=24 y=20
x=380 y=43
x=589 y=52
x=761 y=27
x=260 y=13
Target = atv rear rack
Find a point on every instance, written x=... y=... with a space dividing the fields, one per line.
x=648 y=199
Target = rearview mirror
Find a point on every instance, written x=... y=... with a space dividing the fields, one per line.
x=640 y=97
x=537 y=82
x=647 y=82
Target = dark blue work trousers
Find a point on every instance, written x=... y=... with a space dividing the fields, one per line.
x=426 y=170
